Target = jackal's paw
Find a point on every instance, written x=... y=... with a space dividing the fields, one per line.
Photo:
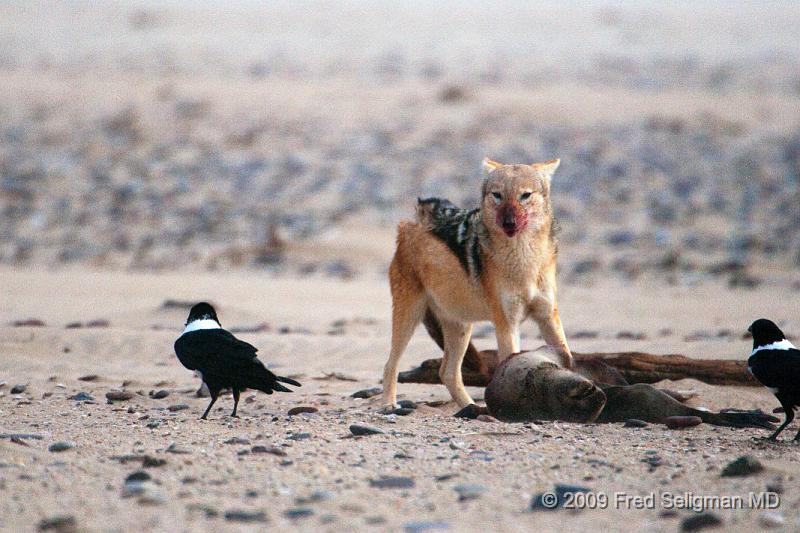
x=472 y=412
x=388 y=408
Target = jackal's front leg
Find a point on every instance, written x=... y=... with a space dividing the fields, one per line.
x=546 y=316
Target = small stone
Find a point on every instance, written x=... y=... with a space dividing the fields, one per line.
x=153 y=462
x=392 y=482
x=407 y=404
x=298 y=512
x=59 y=524
x=82 y=397
x=425 y=525
x=89 y=377
x=29 y=323
x=680 y=422
x=634 y=423
x=469 y=492
x=118 y=395
x=237 y=440
x=139 y=475
x=745 y=465
x=771 y=519
x=158 y=395
x=315 y=497
x=177 y=407
x=18 y=389
x=258 y=448
x=360 y=430
x=209 y=511
x=548 y=501
x=367 y=393
x=302 y=409
x=174 y=448
x=61 y=446
x=401 y=411
x=237 y=515
x=696 y=522
x=299 y=436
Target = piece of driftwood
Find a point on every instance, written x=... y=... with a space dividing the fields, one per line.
x=633 y=367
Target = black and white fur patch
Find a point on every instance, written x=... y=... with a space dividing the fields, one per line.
x=460 y=229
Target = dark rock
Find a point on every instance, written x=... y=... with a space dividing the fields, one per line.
x=298 y=512
x=704 y=520
x=207 y=510
x=315 y=497
x=82 y=397
x=471 y=412
x=18 y=389
x=89 y=377
x=393 y=482
x=548 y=501
x=59 y=524
x=237 y=515
x=237 y=440
x=153 y=462
x=401 y=411
x=631 y=335
x=680 y=422
x=299 y=436
x=271 y=450
x=634 y=423
x=407 y=404
x=302 y=409
x=118 y=396
x=745 y=465
x=29 y=323
x=177 y=407
x=359 y=430
x=139 y=475
x=61 y=446
x=367 y=393
x=174 y=448
x=98 y=323
x=158 y=395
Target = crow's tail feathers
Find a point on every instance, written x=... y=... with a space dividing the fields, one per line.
x=265 y=381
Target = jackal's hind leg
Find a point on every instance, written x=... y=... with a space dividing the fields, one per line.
x=456 y=340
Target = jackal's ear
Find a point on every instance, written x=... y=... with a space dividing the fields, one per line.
x=489 y=165
x=548 y=168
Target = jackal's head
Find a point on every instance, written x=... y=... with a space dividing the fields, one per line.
x=516 y=197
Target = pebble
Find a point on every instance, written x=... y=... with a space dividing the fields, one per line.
x=634 y=423
x=174 y=448
x=177 y=407
x=680 y=422
x=160 y=394
x=425 y=525
x=469 y=492
x=770 y=519
x=299 y=436
x=258 y=448
x=360 y=430
x=540 y=502
x=89 y=377
x=139 y=475
x=745 y=465
x=237 y=515
x=392 y=482
x=298 y=512
x=367 y=393
x=118 y=396
x=82 y=397
x=401 y=411
x=30 y=323
x=236 y=440
x=696 y=522
x=407 y=404
x=315 y=497
x=302 y=409
x=18 y=389
x=59 y=524
x=61 y=446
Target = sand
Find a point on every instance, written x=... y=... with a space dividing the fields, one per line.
x=259 y=155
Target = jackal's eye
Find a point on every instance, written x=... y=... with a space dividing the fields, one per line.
x=497 y=196
x=524 y=196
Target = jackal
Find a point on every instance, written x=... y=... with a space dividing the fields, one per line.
x=496 y=262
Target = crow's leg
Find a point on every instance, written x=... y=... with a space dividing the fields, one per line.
x=214 y=396
x=789 y=417
x=236 y=393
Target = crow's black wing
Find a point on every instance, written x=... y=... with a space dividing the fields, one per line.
x=225 y=360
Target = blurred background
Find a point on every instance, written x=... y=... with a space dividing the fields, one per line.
x=291 y=137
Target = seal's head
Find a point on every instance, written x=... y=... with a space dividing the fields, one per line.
x=516 y=197
x=530 y=386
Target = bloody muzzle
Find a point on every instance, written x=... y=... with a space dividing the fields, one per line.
x=511 y=219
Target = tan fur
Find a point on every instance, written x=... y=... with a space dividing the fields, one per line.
x=517 y=280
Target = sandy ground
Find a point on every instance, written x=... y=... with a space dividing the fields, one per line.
x=507 y=462
x=259 y=155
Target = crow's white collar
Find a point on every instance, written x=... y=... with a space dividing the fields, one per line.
x=206 y=323
x=780 y=345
